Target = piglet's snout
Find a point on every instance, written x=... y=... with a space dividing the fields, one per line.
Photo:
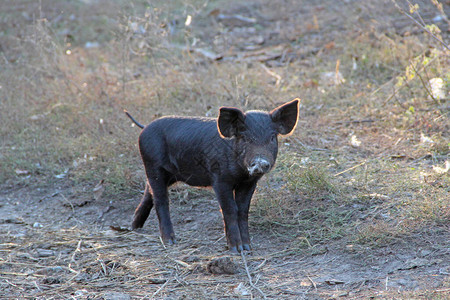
x=259 y=166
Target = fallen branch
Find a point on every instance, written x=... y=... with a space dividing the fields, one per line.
x=354 y=121
x=72 y=259
x=420 y=25
x=250 y=277
x=349 y=169
x=273 y=74
x=160 y=289
x=313 y=283
x=423 y=83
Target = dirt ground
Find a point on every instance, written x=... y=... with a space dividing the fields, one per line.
x=57 y=246
x=68 y=239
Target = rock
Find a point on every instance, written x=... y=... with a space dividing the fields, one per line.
x=191 y=258
x=51 y=280
x=44 y=252
x=50 y=270
x=425 y=252
x=89 y=45
x=333 y=281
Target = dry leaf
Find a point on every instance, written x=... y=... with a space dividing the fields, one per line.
x=355 y=142
x=329 y=45
x=437 y=86
x=425 y=139
x=311 y=84
x=440 y=170
x=241 y=290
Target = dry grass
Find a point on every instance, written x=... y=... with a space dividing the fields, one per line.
x=62 y=125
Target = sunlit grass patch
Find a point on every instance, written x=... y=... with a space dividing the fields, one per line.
x=312 y=180
x=406 y=203
x=302 y=201
x=378 y=233
x=375 y=203
x=432 y=206
x=404 y=219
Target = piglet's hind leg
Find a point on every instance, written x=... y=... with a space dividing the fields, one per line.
x=144 y=208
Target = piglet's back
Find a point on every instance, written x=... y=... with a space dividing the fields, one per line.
x=178 y=132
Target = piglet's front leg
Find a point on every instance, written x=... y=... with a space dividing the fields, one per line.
x=243 y=196
x=224 y=193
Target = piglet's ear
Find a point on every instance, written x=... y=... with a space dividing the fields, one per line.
x=285 y=116
x=231 y=122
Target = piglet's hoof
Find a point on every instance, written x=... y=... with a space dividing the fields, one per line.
x=169 y=242
x=136 y=225
x=236 y=249
x=247 y=247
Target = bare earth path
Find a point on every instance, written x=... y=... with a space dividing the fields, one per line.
x=66 y=248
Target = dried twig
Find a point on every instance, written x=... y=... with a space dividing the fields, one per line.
x=273 y=74
x=70 y=203
x=423 y=82
x=313 y=283
x=160 y=289
x=180 y=262
x=102 y=264
x=13 y=273
x=261 y=264
x=393 y=94
x=250 y=277
x=37 y=286
x=420 y=25
x=355 y=121
x=72 y=259
x=349 y=169
x=14 y=285
x=162 y=242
